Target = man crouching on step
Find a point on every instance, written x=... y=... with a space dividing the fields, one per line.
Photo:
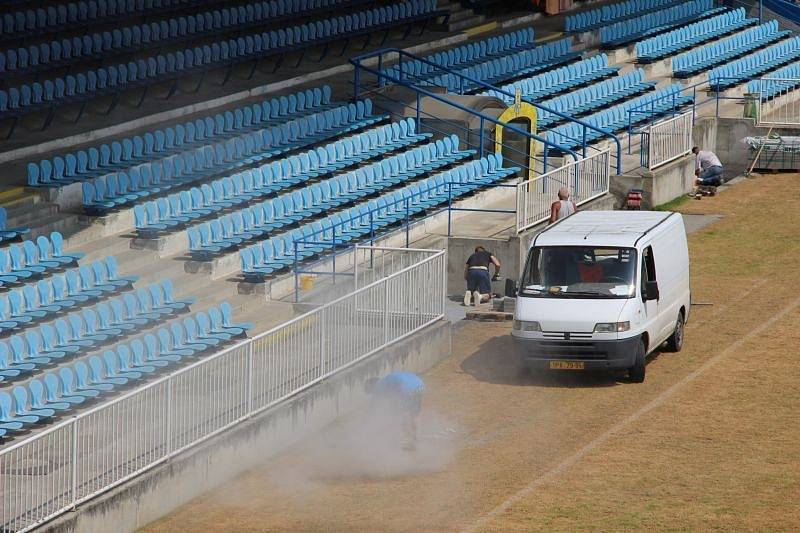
x=476 y=274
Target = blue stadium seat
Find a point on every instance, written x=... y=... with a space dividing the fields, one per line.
x=689 y=36
x=755 y=64
x=112 y=80
x=523 y=63
x=280 y=251
x=558 y=80
x=783 y=81
x=701 y=59
x=634 y=29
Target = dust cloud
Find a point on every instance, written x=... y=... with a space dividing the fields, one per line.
x=365 y=447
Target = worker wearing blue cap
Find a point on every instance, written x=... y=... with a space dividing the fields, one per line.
x=400 y=392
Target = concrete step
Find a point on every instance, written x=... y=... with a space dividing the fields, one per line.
x=23 y=206
x=460 y=14
x=31 y=214
x=64 y=223
x=471 y=22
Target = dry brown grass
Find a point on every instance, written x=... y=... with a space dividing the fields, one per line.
x=720 y=454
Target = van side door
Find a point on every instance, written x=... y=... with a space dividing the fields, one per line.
x=651 y=320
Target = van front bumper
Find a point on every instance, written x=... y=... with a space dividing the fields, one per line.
x=606 y=354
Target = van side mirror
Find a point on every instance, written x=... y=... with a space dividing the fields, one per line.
x=511 y=288
x=651 y=291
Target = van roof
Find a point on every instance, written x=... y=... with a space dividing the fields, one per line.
x=601 y=228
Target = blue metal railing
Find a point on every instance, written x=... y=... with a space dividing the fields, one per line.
x=382 y=76
x=340 y=244
x=652 y=111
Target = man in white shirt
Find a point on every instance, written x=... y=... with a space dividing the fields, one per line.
x=563 y=207
x=708 y=170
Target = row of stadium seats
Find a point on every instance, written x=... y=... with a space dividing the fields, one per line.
x=280 y=252
x=703 y=58
x=210 y=198
x=755 y=64
x=30 y=259
x=617 y=117
x=115 y=190
x=558 y=80
x=465 y=55
x=602 y=16
x=51 y=296
x=127 y=365
x=633 y=29
x=786 y=78
x=231 y=231
x=61 y=17
x=128 y=152
x=112 y=80
x=107 y=44
x=87 y=329
x=692 y=35
x=593 y=97
x=512 y=66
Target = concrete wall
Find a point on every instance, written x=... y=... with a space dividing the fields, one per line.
x=723 y=136
x=660 y=186
x=164 y=488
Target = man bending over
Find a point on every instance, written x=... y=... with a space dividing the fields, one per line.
x=399 y=396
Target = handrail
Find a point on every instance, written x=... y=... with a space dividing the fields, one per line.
x=357 y=63
x=684 y=92
x=312 y=239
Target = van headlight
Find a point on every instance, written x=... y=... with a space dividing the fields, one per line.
x=526 y=325
x=612 y=327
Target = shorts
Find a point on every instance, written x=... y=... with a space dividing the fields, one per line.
x=711 y=177
x=478 y=280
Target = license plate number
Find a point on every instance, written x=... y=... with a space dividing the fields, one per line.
x=566 y=365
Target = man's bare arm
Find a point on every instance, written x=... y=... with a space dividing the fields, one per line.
x=496 y=263
x=554 y=211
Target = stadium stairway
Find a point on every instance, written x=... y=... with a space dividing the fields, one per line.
x=460 y=17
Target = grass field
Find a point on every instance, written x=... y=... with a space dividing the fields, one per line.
x=708 y=442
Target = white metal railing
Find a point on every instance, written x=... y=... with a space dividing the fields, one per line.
x=778 y=102
x=588 y=178
x=77 y=459
x=668 y=139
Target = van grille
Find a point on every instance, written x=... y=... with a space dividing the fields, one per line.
x=571 y=350
x=566 y=335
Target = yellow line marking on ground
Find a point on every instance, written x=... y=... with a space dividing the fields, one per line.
x=11 y=193
x=288 y=332
x=483 y=28
x=552 y=37
x=606 y=435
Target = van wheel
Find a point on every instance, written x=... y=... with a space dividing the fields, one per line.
x=675 y=341
x=637 y=371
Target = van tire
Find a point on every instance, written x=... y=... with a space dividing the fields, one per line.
x=636 y=373
x=675 y=341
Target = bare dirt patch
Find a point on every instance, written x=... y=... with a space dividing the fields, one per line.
x=719 y=453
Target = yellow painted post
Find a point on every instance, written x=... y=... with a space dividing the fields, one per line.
x=519 y=109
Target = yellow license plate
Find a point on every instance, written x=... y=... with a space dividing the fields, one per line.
x=566 y=365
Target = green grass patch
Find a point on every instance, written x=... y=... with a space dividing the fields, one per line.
x=673 y=205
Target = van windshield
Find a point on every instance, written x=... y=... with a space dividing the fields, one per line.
x=579 y=272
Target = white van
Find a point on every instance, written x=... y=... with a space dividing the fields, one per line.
x=601 y=290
